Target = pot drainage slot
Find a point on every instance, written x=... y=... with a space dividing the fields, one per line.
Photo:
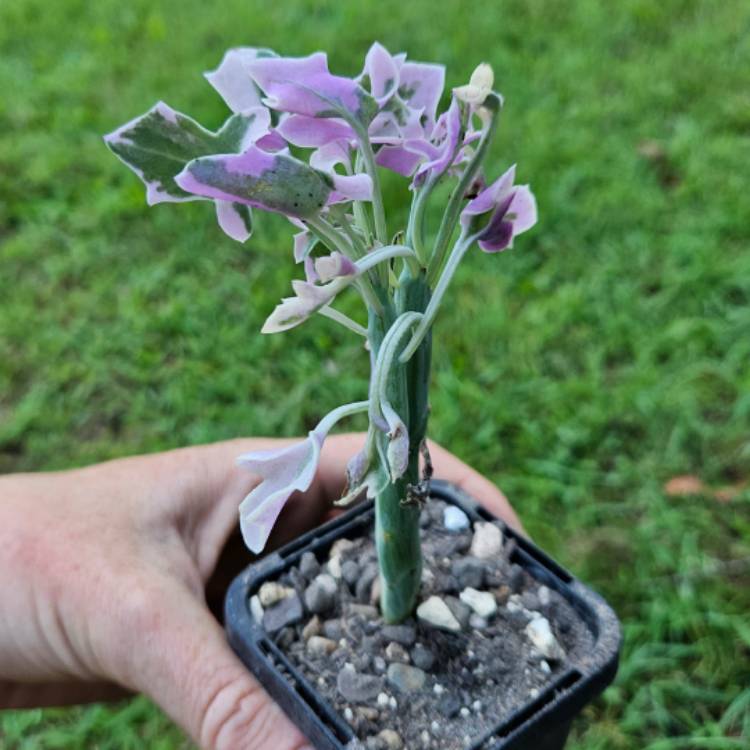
x=306 y=692
x=550 y=695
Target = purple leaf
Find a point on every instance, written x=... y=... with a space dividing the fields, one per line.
x=513 y=210
x=304 y=86
x=232 y=81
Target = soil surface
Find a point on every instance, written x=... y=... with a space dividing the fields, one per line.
x=486 y=639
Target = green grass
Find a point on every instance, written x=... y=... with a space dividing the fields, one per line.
x=604 y=355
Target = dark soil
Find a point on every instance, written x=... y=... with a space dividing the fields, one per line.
x=417 y=685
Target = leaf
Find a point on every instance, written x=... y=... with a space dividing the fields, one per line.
x=274 y=182
x=158 y=145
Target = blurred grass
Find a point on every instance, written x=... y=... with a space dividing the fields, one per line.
x=605 y=354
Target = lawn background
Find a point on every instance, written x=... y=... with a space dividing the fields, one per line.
x=605 y=354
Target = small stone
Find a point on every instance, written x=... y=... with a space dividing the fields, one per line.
x=309 y=565
x=363 y=588
x=379 y=664
x=340 y=546
x=349 y=714
x=286 y=612
x=319 y=646
x=460 y=610
x=368 y=713
x=334 y=556
x=464 y=712
x=406 y=635
x=350 y=572
x=534 y=693
x=545 y=596
x=256 y=609
x=476 y=706
x=405 y=678
x=333 y=629
x=482 y=602
x=357 y=688
x=422 y=657
x=435 y=726
x=531 y=601
x=517 y=577
x=375 y=591
x=435 y=613
x=271 y=592
x=545 y=667
x=454 y=519
x=477 y=623
x=382 y=700
x=363 y=610
x=438 y=689
x=426 y=739
x=313 y=627
x=397 y=653
x=392 y=703
x=286 y=638
x=469 y=572
x=391 y=739
x=487 y=542
x=540 y=634
x=449 y=706
x=320 y=595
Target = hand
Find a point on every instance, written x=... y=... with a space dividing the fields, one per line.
x=104 y=575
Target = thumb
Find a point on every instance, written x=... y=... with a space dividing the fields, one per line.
x=186 y=666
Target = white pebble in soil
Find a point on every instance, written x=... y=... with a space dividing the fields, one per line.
x=540 y=634
x=454 y=519
x=435 y=612
x=256 y=609
x=487 y=542
x=271 y=592
x=482 y=602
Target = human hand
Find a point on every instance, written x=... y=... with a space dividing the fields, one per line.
x=104 y=575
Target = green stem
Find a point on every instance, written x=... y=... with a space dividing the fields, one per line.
x=397 y=522
x=381 y=230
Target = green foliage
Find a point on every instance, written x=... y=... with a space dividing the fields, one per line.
x=605 y=354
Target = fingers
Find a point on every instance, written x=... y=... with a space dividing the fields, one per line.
x=183 y=662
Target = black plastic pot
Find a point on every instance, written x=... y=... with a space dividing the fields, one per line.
x=542 y=724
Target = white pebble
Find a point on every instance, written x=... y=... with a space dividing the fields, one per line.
x=382 y=700
x=435 y=727
x=533 y=693
x=454 y=519
x=545 y=667
x=544 y=596
x=434 y=611
x=464 y=711
x=393 y=703
x=477 y=706
x=487 y=542
x=540 y=634
x=272 y=592
x=482 y=602
x=256 y=608
x=438 y=689
x=348 y=714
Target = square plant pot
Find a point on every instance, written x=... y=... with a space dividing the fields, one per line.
x=540 y=719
